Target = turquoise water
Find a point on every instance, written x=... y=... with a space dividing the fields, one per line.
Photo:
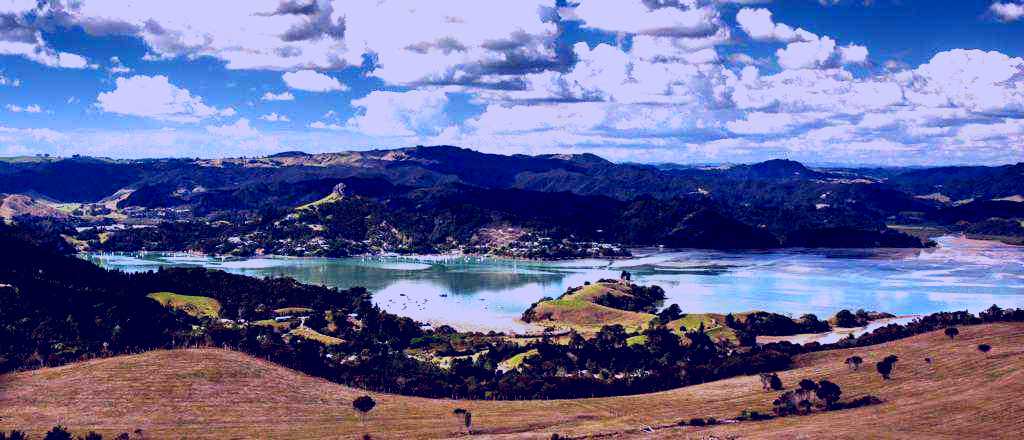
x=482 y=294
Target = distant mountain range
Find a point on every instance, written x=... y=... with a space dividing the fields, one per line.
x=443 y=198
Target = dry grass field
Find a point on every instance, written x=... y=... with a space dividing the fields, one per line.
x=210 y=393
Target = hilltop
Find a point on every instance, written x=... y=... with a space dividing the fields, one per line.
x=213 y=393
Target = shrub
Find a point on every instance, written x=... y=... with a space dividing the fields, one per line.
x=952 y=332
x=58 y=433
x=984 y=348
x=363 y=405
x=860 y=401
x=854 y=362
x=753 y=415
x=885 y=368
x=828 y=392
x=775 y=382
x=808 y=385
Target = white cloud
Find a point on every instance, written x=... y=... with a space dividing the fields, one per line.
x=31 y=108
x=759 y=25
x=320 y=125
x=853 y=54
x=635 y=17
x=274 y=117
x=9 y=82
x=155 y=97
x=1006 y=11
x=975 y=80
x=807 y=54
x=19 y=36
x=283 y=96
x=38 y=52
x=116 y=67
x=36 y=134
x=240 y=129
x=455 y=41
x=312 y=81
x=409 y=113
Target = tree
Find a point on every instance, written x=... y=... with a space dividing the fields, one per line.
x=58 y=433
x=626 y=276
x=845 y=318
x=467 y=419
x=776 y=383
x=828 y=392
x=808 y=385
x=14 y=435
x=854 y=362
x=952 y=332
x=671 y=313
x=363 y=405
x=984 y=348
x=994 y=313
x=884 y=368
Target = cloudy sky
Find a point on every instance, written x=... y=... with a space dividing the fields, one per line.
x=889 y=82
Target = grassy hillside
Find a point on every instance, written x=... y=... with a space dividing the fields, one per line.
x=198 y=306
x=579 y=310
x=212 y=393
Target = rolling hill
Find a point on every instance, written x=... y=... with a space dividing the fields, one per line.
x=443 y=198
x=212 y=393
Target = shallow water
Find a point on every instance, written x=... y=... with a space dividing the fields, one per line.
x=478 y=293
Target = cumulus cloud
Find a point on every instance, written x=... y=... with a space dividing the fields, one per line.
x=1006 y=11
x=412 y=113
x=312 y=81
x=155 y=97
x=274 y=117
x=240 y=129
x=320 y=125
x=31 y=108
x=283 y=96
x=649 y=18
x=117 y=67
x=758 y=24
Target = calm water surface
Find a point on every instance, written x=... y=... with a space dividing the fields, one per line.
x=475 y=293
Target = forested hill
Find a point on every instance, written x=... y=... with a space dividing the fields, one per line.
x=436 y=199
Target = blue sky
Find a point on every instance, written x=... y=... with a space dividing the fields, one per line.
x=882 y=82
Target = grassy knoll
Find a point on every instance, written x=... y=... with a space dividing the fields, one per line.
x=579 y=311
x=330 y=198
x=714 y=325
x=515 y=361
x=212 y=393
x=279 y=325
x=587 y=317
x=290 y=311
x=198 y=306
x=308 y=333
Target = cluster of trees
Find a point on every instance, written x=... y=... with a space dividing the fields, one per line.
x=774 y=324
x=946 y=321
x=60 y=432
